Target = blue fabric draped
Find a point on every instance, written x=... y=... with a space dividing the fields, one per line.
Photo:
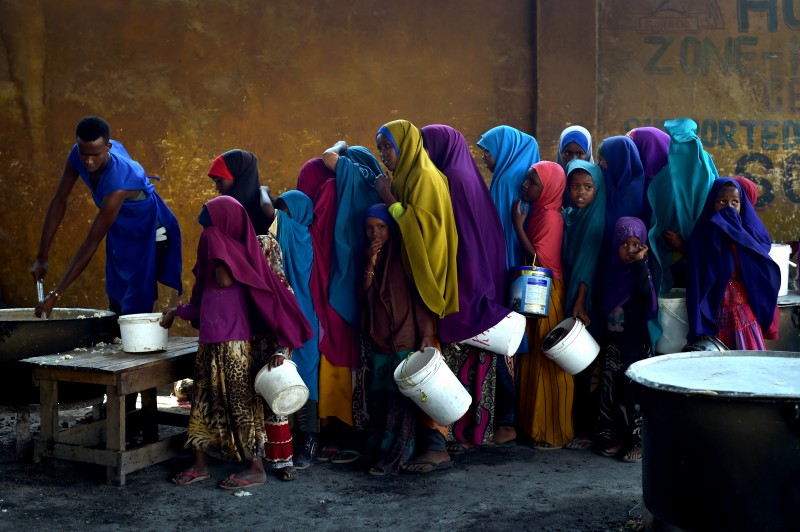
x=131 y=269
x=355 y=188
x=711 y=262
x=625 y=181
x=295 y=241
x=513 y=152
x=583 y=237
x=677 y=195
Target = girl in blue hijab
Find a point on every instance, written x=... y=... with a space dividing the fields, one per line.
x=508 y=153
x=294 y=214
x=732 y=282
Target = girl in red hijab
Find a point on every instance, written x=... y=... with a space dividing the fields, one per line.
x=545 y=390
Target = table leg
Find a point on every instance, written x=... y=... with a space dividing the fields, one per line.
x=150 y=413
x=23 y=432
x=48 y=404
x=115 y=433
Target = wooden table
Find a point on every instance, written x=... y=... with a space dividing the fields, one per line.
x=103 y=442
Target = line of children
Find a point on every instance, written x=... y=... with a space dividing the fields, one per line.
x=400 y=266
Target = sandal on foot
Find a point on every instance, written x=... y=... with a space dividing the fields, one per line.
x=301 y=461
x=377 y=471
x=457 y=447
x=611 y=450
x=327 y=453
x=234 y=483
x=579 y=444
x=544 y=446
x=193 y=477
x=633 y=455
x=348 y=456
x=422 y=467
x=288 y=474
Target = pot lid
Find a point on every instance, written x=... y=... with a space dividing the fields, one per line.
x=792 y=299
x=765 y=374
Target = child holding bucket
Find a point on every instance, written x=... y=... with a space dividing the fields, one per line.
x=545 y=390
x=394 y=323
x=584 y=223
x=292 y=213
x=732 y=282
x=628 y=302
x=231 y=277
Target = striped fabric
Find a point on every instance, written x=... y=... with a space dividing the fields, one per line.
x=545 y=390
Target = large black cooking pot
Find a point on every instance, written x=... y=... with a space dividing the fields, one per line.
x=721 y=439
x=24 y=336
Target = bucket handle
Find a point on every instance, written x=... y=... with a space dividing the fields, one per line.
x=403 y=371
x=677 y=318
x=424 y=397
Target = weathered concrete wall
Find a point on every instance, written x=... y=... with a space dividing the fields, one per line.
x=731 y=65
x=181 y=81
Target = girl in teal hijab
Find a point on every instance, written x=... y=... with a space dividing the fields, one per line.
x=677 y=196
x=584 y=222
x=508 y=153
x=295 y=241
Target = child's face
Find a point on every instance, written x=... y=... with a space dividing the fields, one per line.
x=630 y=250
x=281 y=206
x=223 y=186
x=572 y=151
x=531 y=187
x=728 y=196
x=488 y=160
x=581 y=189
x=387 y=152
x=377 y=231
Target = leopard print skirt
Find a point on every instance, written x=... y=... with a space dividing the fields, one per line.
x=227 y=416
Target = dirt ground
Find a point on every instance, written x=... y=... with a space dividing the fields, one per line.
x=506 y=488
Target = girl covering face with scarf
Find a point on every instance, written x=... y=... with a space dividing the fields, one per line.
x=732 y=282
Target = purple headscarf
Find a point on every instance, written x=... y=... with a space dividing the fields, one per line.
x=619 y=287
x=711 y=262
x=653 y=146
x=233 y=241
x=481 y=254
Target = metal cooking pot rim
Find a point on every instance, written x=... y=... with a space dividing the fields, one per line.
x=764 y=374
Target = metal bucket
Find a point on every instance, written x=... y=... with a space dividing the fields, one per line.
x=721 y=439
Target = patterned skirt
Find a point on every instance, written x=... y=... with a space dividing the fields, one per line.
x=546 y=391
x=477 y=371
x=227 y=416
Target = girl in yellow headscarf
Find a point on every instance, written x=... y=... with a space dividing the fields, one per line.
x=418 y=196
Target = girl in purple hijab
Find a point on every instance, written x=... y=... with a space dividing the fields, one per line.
x=235 y=298
x=481 y=272
x=653 y=146
x=628 y=302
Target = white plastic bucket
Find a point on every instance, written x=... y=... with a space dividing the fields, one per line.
x=781 y=253
x=674 y=320
x=502 y=338
x=282 y=388
x=425 y=378
x=570 y=346
x=530 y=292
x=142 y=333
